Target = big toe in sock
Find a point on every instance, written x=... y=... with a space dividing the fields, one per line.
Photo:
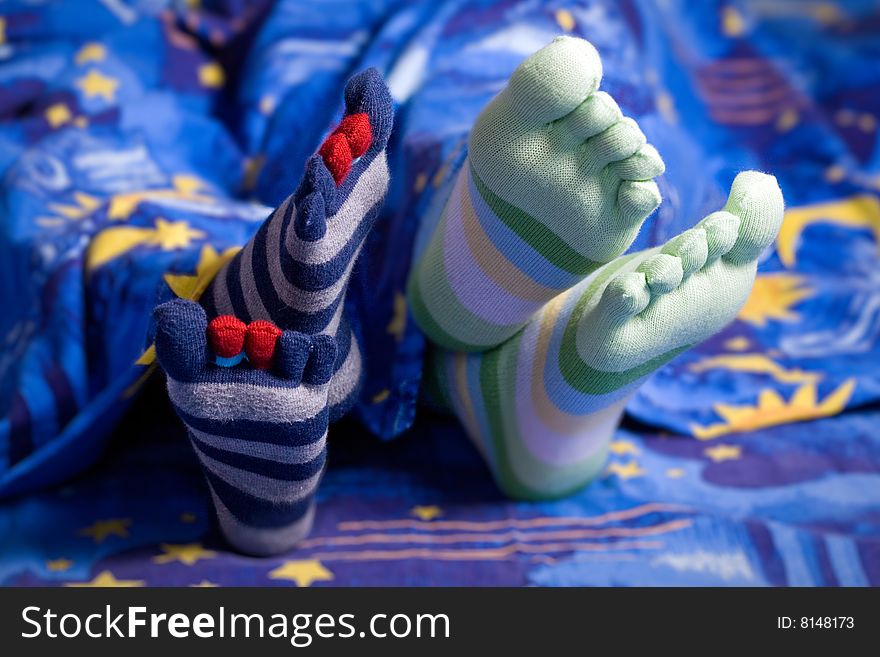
x=554 y=81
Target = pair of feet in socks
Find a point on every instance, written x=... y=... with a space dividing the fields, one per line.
x=541 y=329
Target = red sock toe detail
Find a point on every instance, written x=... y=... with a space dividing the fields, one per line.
x=259 y=343
x=337 y=156
x=357 y=130
x=226 y=335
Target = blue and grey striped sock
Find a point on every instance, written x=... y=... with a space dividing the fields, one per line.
x=294 y=272
x=282 y=360
x=260 y=434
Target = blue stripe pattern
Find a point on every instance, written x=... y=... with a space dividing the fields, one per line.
x=271 y=495
x=263 y=453
x=295 y=270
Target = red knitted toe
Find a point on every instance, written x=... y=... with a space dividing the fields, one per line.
x=356 y=128
x=226 y=335
x=337 y=156
x=259 y=343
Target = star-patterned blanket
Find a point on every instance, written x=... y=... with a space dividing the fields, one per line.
x=142 y=142
x=789 y=506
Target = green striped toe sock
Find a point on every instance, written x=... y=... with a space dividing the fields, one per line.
x=542 y=330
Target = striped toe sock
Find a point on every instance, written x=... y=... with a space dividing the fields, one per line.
x=543 y=406
x=254 y=400
x=294 y=272
x=557 y=183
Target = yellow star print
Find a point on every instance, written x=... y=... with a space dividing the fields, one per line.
x=565 y=19
x=675 y=473
x=738 y=343
x=85 y=205
x=211 y=75
x=772 y=410
x=426 y=512
x=267 y=105
x=101 y=529
x=772 y=297
x=58 y=114
x=303 y=572
x=252 y=168
x=105 y=579
x=172 y=235
x=204 y=584
x=188 y=518
x=732 y=22
x=721 y=453
x=381 y=396
x=861 y=211
x=623 y=447
x=397 y=325
x=787 y=120
x=183 y=187
x=95 y=84
x=187 y=286
x=756 y=364
x=115 y=241
x=91 y=52
x=187 y=554
x=58 y=565
x=626 y=470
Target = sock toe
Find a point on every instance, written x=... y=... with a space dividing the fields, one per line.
x=756 y=199
x=663 y=273
x=722 y=231
x=555 y=80
x=592 y=117
x=260 y=342
x=322 y=359
x=316 y=179
x=226 y=336
x=310 y=223
x=636 y=200
x=620 y=141
x=644 y=164
x=690 y=247
x=292 y=356
x=367 y=93
x=626 y=295
x=181 y=338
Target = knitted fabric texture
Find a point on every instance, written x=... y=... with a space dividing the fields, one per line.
x=294 y=272
x=259 y=383
x=260 y=434
x=540 y=345
x=557 y=183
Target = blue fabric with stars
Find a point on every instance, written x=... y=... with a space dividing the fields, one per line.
x=425 y=511
x=139 y=142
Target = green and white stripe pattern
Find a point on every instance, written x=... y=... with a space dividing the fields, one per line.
x=538 y=345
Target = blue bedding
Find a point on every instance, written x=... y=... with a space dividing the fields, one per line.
x=142 y=142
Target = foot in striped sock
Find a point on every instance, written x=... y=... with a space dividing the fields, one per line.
x=542 y=407
x=254 y=399
x=294 y=272
x=557 y=183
